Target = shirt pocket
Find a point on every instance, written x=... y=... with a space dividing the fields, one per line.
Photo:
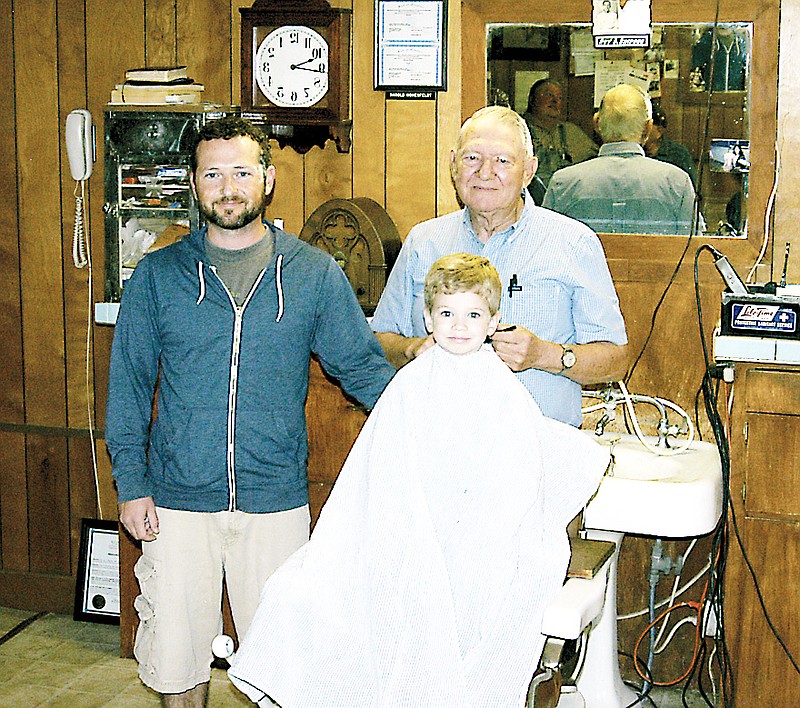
x=542 y=306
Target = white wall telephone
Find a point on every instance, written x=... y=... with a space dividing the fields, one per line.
x=80 y=151
x=80 y=143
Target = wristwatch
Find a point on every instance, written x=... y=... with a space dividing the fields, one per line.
x=568 y=358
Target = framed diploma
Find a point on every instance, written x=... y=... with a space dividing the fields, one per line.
x=97 y=584
x=410 y=47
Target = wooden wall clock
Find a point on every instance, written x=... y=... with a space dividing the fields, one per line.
x=296 y=71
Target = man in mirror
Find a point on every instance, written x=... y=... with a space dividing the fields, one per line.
x=660 y=148
x=561 y=322
x=556 y=142
x=622 y=190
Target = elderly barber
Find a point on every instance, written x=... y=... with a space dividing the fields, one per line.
x=561 y=322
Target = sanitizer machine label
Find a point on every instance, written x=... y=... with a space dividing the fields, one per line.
x=760 y=317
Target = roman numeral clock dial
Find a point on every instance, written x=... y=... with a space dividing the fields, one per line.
x=296 y=71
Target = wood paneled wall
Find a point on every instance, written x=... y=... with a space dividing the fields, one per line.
x=68 y=54
x=787 y=143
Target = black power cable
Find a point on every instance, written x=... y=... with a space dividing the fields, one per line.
x=716 y=593
x=715 y=597
x=695 y=221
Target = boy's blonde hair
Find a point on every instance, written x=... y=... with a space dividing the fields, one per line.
x=464 y=273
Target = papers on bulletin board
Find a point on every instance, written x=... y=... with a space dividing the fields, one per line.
x=583 y=53
x=612 y=72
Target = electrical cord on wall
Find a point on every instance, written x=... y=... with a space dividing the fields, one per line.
x=664 y=603
x=768 y=217
x=82 y=257
x=641 y=666
x=691 y=619
x=673 y=596
x=714 y=597
x=89 y=397
x=770 y=205
x=656 y=310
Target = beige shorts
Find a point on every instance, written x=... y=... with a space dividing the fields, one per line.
x=180 y=577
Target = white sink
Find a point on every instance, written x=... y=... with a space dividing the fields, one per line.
x=666 y=496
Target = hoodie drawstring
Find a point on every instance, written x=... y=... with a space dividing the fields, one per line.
x=279 y=286
x=202 y=280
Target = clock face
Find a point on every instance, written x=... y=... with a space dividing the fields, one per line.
x=291 y=66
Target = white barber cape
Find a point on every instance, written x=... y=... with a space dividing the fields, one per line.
x=444 y=537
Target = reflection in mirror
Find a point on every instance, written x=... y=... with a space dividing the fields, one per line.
x=706 y=134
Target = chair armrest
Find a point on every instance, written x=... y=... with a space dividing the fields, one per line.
x=576 y=605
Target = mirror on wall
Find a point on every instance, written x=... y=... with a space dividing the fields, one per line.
x=697 y=77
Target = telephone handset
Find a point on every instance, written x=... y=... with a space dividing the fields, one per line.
x=80 y=143
x=80 y=151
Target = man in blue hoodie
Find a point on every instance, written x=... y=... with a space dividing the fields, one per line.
x=222 y=325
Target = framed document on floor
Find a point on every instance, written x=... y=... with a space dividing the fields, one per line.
x=97 y=584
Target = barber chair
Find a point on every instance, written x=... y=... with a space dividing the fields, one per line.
x=567 y=621
x=567 y=624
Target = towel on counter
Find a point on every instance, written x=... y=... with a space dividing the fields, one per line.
x=443 y=539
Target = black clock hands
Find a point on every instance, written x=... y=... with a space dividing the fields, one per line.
x=305 y=68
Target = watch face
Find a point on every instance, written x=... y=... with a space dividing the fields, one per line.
x=568 y=359
x=291 y=66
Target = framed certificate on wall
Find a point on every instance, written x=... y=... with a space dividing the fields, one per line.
x=411 y=46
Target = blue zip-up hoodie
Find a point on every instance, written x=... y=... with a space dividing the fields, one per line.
x=232 y=381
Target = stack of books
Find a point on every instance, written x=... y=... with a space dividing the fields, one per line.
x=154 y=85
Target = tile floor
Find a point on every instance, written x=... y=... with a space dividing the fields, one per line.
x=55 y=661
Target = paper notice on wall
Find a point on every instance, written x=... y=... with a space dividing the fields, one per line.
x=582 y=52
x=410 y=44
x=583 y=63
x=612 y=72
x=621 y=23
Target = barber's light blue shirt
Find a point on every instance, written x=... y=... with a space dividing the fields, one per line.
x=565 y=293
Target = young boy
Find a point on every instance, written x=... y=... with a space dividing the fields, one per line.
x=443 y=539
x=462 y=299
